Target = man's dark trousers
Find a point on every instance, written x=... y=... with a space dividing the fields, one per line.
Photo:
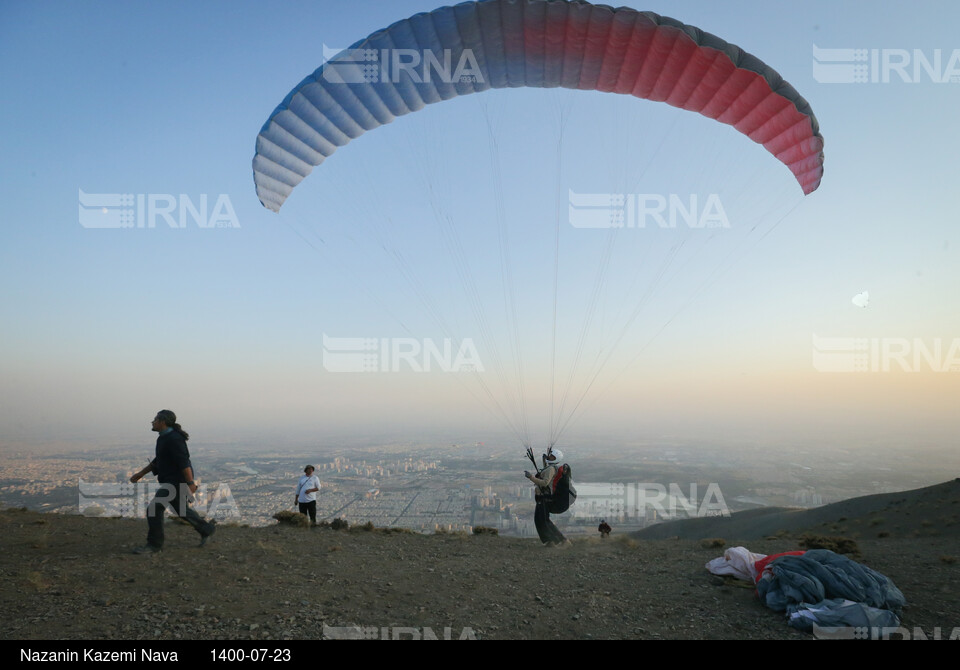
x=309 y=509
x=175 y=496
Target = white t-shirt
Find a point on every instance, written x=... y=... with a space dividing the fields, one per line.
x=306 y=483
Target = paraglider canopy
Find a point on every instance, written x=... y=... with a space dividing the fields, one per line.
x=474 y=47
x=477 y=46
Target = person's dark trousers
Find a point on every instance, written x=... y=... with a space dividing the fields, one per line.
x=310 y=509
x=549 y=533
x=174 y=496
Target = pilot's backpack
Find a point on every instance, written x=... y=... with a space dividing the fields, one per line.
x=562 y=493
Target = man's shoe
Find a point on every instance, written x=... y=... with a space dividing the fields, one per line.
x=206 y=536
x=147 y=549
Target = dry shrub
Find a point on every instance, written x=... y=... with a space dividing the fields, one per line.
x=290 y=518
x=835 y=543
x=485 y=530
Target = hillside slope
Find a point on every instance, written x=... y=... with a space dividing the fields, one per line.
x=933 y=511
x=70 y=577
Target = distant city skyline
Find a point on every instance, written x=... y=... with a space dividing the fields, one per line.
x=457 y=488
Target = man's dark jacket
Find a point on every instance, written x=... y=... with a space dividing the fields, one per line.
x=171 y=459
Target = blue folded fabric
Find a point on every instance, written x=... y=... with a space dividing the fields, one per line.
x=823 y=580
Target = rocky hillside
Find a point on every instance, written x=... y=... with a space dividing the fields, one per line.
x=71 y=577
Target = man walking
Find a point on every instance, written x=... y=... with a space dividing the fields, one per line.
x=173 y=469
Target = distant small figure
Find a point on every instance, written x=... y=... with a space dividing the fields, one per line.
x=604 y=529
x=173 y=469
x=307 y=490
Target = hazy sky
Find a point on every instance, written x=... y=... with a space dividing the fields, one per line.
x=748 y=331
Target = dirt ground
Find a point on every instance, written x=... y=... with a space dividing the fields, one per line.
x=75 y=578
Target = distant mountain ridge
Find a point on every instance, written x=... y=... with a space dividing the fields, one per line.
x=932 y=510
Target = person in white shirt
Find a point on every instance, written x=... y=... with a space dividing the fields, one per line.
x=307 y=489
